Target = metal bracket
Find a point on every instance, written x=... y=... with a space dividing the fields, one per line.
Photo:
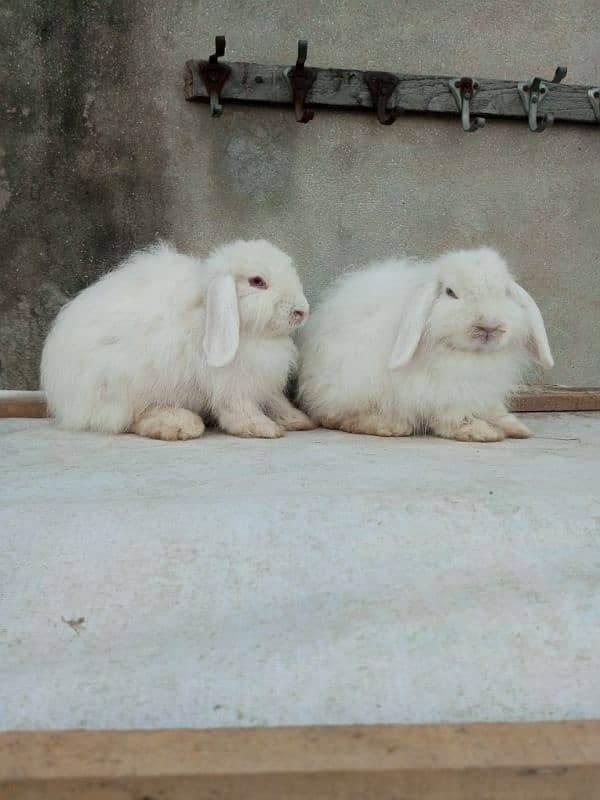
x=382 y=86
x=463 y=91
x=301 y=79
x=532 y=95
x=594 y=96
x=214 y=75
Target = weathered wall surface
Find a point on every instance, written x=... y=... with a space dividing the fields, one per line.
x=100 y=152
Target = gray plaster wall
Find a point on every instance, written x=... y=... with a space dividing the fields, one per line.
x=100 y=152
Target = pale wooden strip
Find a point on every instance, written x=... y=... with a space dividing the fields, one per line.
x=556 y=398
x=535 y=398
x=23 y=406
x=512 y=761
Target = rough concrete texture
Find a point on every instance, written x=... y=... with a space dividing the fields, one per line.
x=101 y=152
x=321 y=578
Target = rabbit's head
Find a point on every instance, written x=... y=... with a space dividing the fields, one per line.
x=255 y=289
x=471 y=303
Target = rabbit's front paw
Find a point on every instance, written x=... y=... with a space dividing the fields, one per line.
x=297 y=420
x=168 y=424
x=477 y=430
x=512 y=427
x=248 y=421
x=374 y=424
x=288 y=416
x=256 y=429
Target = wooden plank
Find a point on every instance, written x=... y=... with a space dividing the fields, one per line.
x=346 y=88
x=535 y=398
x=516 y=761
x=34 y=409
x=556 y=398
x=22 y=404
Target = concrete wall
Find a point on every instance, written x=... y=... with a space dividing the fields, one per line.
x=100 y=152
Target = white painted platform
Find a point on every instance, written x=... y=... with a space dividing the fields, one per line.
x=321 y=578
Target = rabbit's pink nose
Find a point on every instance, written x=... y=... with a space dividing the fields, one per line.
x=299 y=315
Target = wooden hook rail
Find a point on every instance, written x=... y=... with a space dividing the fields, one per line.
x=353 y=89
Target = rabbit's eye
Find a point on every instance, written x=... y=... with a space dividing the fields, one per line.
x=257 y=282
x=450 y=293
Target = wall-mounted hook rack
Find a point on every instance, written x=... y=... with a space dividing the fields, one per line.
x=426 y=94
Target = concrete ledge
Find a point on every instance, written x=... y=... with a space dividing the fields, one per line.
x=322 y=578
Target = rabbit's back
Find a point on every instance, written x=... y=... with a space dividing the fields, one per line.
x=345 y=342
x=124 y=338
x=149 y=284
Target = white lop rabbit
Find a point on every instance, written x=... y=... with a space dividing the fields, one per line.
x=406 y=347
x=166 y=339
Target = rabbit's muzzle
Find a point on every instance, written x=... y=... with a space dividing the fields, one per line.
x=485 y=332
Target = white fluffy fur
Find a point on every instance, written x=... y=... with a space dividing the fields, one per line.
x=165 y=335
x=389 y=352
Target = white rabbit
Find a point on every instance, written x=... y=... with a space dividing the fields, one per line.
x=406 y=347
x=166 y=339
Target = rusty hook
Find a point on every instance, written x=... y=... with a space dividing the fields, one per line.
x=382 y=85
x=301 y=79
x=214 y=74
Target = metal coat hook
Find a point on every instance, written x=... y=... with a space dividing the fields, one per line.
x=301 y=79
x=382 y=85
x=594 y=96
x=214 y=74
x=532 y=95
x=463 y=90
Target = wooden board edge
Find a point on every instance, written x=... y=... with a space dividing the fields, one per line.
x=28 y=409
x=556 y=398
x=541 y=398
x=504 y=761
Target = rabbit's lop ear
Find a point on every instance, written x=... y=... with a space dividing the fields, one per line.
x=414 y=318
x=222 y=332
x=538 y=339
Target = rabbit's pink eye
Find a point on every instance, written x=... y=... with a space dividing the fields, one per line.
x=257 y=282
x=450 y=293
